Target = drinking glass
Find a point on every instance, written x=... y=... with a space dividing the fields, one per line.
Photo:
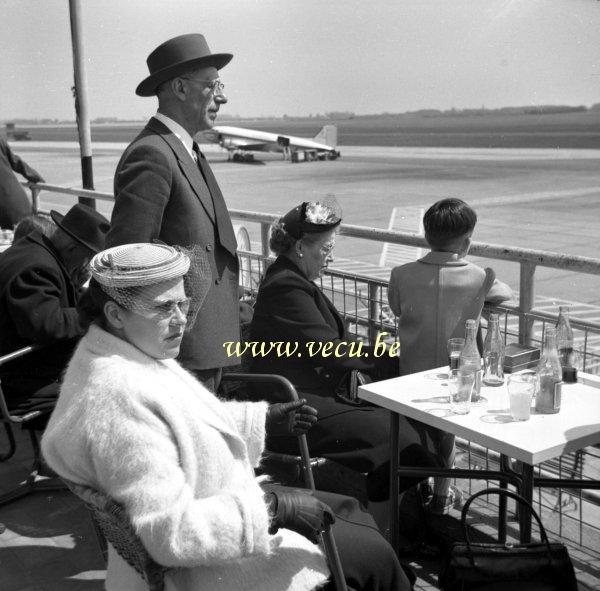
x=521 y=388
x=460 y=385
x=454 y=347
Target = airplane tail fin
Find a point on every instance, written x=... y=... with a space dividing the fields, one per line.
x=327 y=136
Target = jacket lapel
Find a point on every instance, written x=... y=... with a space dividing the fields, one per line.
x=225 y=229
x=187 y=165
x=330 y=314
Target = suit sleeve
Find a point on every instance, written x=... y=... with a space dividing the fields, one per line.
x=394 y=292
x=499 y=292
x=142 y=191
x=20 y=166
x=34 y=303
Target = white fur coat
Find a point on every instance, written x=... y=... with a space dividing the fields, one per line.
x=181 y=461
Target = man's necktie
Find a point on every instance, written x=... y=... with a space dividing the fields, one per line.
x=224 y=227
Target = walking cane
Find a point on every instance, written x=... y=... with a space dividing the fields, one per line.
x=327 y=539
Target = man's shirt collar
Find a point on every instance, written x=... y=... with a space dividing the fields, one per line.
x=184 y=137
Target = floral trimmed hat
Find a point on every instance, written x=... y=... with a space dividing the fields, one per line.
x=311 y=217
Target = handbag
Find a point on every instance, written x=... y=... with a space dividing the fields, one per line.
x=346 y=391
x=540 y=566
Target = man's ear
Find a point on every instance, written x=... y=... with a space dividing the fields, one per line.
x=114 y=314
x=178 y=88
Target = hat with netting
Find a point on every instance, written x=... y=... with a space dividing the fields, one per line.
x=312 y=217
x=134 y=274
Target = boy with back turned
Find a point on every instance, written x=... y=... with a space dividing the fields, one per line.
x=434 y=297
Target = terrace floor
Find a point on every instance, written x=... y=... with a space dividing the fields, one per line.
x=48 y=543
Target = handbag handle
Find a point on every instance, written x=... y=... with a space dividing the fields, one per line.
x=506 y=493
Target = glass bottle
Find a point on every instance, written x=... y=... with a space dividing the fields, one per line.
x=470 y=359
x=549 y=371
x=493 y=354
x=564 y=337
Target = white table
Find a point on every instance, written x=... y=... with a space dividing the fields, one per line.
x=424 y=397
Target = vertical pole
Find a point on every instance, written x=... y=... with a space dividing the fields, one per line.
x=81 y=102
x=264 y=238
x=526 y=296
x=374 y=292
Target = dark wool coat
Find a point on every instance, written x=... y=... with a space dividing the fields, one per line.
x=37 y=306
x=160 y=193
x=289 y=307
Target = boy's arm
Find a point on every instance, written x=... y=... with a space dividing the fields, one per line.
x=499 y=292
x=394 y=292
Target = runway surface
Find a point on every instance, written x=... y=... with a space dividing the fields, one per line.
x=532 y=198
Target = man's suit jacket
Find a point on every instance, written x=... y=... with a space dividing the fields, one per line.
x=37 y=306
x=160 y=193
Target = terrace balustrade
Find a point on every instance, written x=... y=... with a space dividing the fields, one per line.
x=362 y=300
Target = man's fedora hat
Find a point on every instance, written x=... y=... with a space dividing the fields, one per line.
x=177 y=55
x=83 y=224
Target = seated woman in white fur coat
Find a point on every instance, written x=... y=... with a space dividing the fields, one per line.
x=131 y=422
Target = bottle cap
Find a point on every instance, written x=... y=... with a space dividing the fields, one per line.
x=569 y=375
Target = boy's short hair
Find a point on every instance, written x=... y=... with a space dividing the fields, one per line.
x=447 y=220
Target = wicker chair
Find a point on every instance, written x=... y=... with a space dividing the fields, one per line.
x=113 y=525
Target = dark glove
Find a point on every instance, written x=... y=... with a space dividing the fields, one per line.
x=299 y=511
x=290 y=418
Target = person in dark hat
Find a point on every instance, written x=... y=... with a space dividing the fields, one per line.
x=40 y=282
x=165 y=189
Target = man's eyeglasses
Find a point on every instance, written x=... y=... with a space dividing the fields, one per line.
x=215 y=86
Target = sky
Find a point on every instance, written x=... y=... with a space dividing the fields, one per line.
x=314 y=56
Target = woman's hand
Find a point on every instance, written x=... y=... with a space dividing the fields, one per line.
x=299 y=511
x=290 y=418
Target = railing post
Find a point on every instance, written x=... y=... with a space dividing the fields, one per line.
x=264 y=238
x=374 y=311
x=35 y=203
x=526 y=297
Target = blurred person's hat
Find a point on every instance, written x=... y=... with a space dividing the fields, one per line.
x=176 y=55
x=84 y=224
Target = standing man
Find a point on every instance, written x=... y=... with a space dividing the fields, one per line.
x=165 y=189
x=14 y=205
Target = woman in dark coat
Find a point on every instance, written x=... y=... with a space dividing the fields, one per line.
x=291 y=308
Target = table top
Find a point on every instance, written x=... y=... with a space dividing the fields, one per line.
x=424 y=396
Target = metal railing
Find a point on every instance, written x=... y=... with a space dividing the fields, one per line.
x=362 y=300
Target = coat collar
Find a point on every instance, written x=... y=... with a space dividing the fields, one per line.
x=43 y=242
x=445 y=259
x=284 y=263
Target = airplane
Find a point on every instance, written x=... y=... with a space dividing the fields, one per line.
x=239 y=142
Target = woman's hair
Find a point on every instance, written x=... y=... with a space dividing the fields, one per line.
x=90 y=307
x=36 y=221
x=282 y=242
x=448 y=220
